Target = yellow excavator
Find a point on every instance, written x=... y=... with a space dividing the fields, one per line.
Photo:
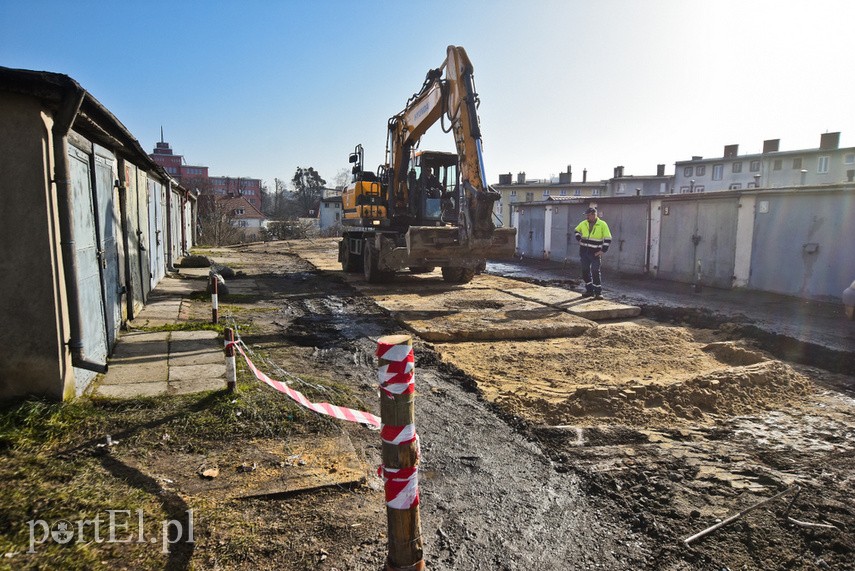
x=426 y=209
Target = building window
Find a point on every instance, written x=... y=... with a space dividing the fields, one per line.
x=545 y=192
x=577 y=192
x=238 y=211
x=776 y=166
x=513 y=193
x=797 y=163
x=717 y=172
x=242 y=224
x=595 y=192
x=849 y=159
x=337 y=216
x=684 y=190
x=737 y=167
x=529 y=196
x=663 y=188
x=822 y=165
x=687 y=171
x=735 y=186
x=701 y=170
x=563 y=192
x=621 y=188
x=755 y=166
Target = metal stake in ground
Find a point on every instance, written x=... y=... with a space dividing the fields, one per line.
x=231 y=369
x=400 y=453
x=215 y=318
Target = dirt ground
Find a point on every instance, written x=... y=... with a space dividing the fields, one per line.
x=602 y=450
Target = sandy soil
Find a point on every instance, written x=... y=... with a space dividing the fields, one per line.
x=598 y=451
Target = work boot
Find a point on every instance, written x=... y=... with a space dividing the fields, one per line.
x=588 y=294
x=599 y=296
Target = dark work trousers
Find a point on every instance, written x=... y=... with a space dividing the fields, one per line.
x=591 y=270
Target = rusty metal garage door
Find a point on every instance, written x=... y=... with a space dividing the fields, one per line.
x=628 y=225
x=86 y=251
x=108 y=231
x=698 y=241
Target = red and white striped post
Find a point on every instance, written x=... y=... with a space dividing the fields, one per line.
x=231 y=367
x=400 y=453
x=215 y=282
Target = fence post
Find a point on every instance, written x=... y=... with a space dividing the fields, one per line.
x=215 y=282
x=231 y=368
x=400 y=453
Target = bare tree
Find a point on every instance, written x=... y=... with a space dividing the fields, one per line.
x=341 y=179
x=217 y=224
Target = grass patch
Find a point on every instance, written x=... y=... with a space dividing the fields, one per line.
x=183 y=326
x=55 y=467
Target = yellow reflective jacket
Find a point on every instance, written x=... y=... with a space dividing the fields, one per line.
x=597 y=238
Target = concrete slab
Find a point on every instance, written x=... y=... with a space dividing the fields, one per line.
x=201 y=373
x=189 y=379
x=458 y=314
x=195 y=348
x=574 y=303
x=132 y=390
x=138 y=343
x=597 y=310
x=143 y=369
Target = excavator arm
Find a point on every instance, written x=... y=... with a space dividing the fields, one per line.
x=448 y=92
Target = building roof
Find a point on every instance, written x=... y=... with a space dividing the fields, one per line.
x=233 y=203
x=92 y=120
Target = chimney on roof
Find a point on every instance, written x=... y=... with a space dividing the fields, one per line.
x=696 y=157
x=584 y=175
x=730 y=151
x=506 y=178
x=618 y=172
x=771 y=145
x=565 y=177
x=829 y=141
x=660 y=170
x=521 y=178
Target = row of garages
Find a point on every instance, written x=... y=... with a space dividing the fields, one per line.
x=796 y=242
x=89 y=225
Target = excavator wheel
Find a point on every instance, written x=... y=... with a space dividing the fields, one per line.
x=369 y=266
x=350 y=262
x=458 y=275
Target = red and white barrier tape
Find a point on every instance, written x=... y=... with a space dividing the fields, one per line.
x=396 y=377
x=335 y=411
x=401 y=486
x=398 y=434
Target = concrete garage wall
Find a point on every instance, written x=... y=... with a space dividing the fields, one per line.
x=804 y=244
x=75 y=224
x=797 y=243
x=32 y=288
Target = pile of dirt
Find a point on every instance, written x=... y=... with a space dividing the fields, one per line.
x=634 y=373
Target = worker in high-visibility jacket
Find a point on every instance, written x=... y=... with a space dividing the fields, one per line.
x=594 y=240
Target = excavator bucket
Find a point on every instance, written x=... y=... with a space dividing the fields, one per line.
x=437 y=242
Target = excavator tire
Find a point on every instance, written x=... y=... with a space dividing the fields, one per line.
x=458 y=275
x=369 y=266
x=350 y=262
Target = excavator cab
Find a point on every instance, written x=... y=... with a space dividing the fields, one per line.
x=435 y=186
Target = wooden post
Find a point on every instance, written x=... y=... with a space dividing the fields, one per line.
x=404 y=525
x=215 y=282
x=231 y=368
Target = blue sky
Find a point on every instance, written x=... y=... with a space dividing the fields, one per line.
x=257 y=88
